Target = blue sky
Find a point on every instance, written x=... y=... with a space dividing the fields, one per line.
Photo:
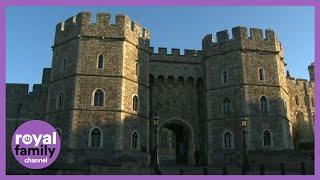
x=30 y=32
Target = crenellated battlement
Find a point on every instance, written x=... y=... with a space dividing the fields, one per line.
x=17 y=89
x=81 y=25
x=176 y=55
x=300 y=82
x=23 y=89
x=177 y=52
x=241 y=39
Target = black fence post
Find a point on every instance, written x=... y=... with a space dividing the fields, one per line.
x=283 y=172
x=303 y=168
x=224 y=171
x=244 y=171
x=159 y=172
x=181 y=172
x=205 y=171
x=262 y=169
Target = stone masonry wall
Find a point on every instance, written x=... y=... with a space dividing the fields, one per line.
x=184 y=87
x=302 y=126
x=218 y=121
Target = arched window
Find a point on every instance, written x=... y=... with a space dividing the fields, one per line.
x=190 y=81
x=143 y=33
x=98 y=98
x=132 y=25
x=224 y=76
x=135 y=144
x=64 y=65
x=60 y=100
x=261 y=74
x=266 y=136
x=100 y=61
x=299 y=117
x=95 y=137
x=297 y=100
x=135 y=102
x=263 y=104
x=226 y=105
x=228 y=140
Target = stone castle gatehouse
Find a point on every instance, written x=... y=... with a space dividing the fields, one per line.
x=106 y=84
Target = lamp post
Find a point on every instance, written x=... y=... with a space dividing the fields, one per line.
x=244 y=123
x=156 y=122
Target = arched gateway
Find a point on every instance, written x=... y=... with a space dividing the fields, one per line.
x=179 y=149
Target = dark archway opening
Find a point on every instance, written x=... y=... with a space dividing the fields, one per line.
x=174 y=141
